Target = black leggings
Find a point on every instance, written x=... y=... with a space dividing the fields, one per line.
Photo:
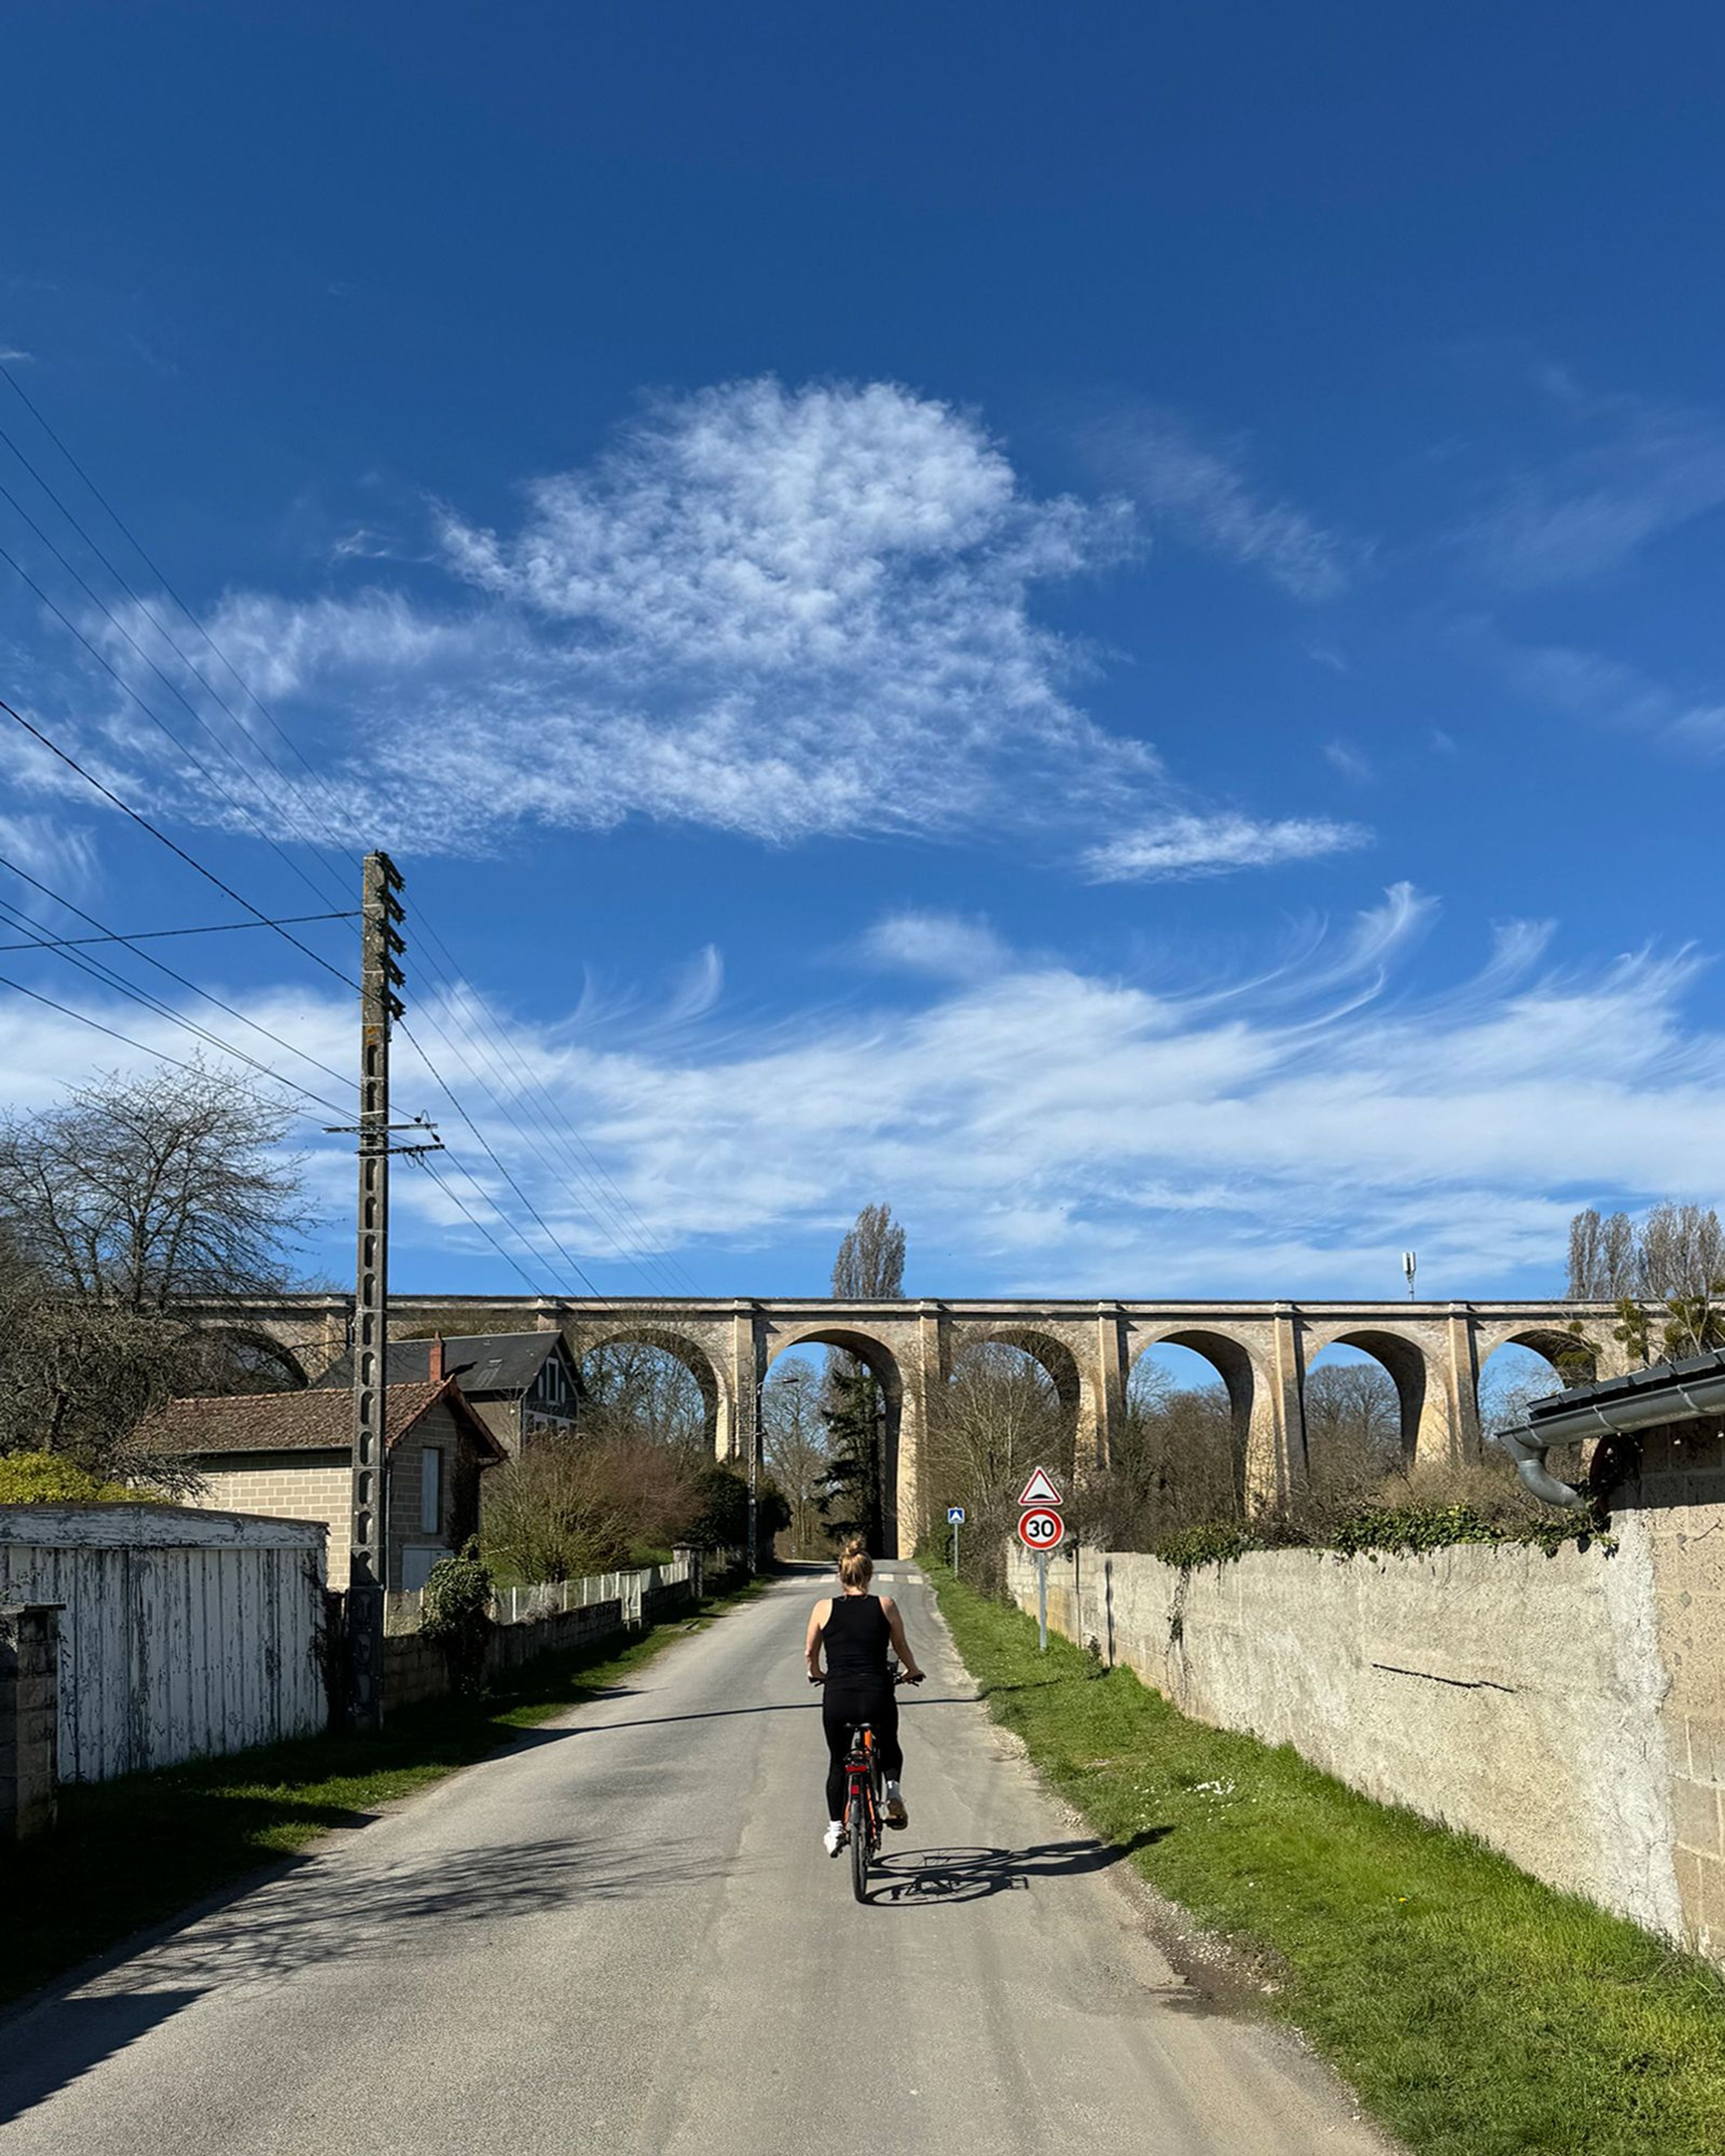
x=840 y=1713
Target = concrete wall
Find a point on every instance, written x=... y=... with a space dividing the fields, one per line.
x=1568 y=1710
x=1676 y=1493
x=1497 y=1691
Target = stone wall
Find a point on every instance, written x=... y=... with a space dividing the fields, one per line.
x=1568 y=1710
x=414 y=1668
x=29 y=1721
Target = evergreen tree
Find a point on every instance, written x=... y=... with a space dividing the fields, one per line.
x=870 y=1267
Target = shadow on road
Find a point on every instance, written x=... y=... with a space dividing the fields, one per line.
x=925 y=1876
x=83 y=2033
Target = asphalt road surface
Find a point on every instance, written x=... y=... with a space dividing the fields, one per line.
x=624 y=1935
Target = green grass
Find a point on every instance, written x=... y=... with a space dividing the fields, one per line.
x=1476 y=2011
x=133 y=1852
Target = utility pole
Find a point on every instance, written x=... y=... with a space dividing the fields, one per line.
x=380 y=944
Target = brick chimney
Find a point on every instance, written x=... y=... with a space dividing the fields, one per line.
x=435 y=1360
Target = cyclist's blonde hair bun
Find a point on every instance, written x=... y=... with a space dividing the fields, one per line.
x=856 y=1567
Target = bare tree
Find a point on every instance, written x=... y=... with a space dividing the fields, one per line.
x=143 y=1192
x=137 y=1196
x=1676 y=1250
x=796 y=1447
x=871 y=1263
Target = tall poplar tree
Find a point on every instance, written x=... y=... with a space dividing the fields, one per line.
x=869 y=1268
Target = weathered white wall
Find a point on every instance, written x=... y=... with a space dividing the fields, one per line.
x=1495 y=1690
x=184 y=1634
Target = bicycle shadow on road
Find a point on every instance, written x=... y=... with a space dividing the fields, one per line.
x=922 y=1878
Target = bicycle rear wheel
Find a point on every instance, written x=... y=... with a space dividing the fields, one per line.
x=858 y=1826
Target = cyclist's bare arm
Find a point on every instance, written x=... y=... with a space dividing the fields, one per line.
x=811 y=1646
x=900 y=1644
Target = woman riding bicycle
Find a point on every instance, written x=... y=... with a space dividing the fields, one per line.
x=856 y=1629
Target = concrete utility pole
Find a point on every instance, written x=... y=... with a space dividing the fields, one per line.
x=380 y=945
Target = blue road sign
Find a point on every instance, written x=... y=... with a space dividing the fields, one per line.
x=955 y=1516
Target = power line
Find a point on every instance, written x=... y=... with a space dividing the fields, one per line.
x=618 y=1230
x=599 y=1210
x=210 y=875
x=149 y=935
x=63 y=950
x=422 y=1160
x=71 y=628
x=175 y=1062
x=624 y=1224
x=136 y=545
x=485 y=1144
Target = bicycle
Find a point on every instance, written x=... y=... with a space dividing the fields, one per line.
x=864 y=1790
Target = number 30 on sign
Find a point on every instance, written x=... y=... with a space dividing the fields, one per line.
x=1041 y=1530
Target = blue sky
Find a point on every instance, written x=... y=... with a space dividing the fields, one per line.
x=1103 y=626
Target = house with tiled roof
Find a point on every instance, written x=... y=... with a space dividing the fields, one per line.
x=287 y=1455
x=521 y=1385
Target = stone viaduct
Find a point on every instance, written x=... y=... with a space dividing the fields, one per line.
x=1260 y=1351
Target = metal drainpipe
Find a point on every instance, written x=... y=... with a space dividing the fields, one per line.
x=1528 y=1444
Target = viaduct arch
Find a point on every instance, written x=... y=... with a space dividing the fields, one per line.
x=1433 y=1350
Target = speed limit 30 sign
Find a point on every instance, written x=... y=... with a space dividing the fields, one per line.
x=1041 y=1529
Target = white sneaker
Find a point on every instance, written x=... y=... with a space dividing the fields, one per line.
x=833 y=1840
x=897 y=1813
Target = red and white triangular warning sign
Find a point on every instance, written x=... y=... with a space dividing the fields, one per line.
x=1041 y=1489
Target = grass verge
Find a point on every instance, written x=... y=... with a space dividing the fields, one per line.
x=1476 y=2011
x=133 y=1852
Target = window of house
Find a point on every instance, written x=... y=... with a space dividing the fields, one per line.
x=431 y=1489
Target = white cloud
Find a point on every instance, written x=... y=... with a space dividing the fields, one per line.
x=1592 y=685
x=1287 y=1134
x=943 y=944
x=781 y=614
x=1643 y=469
x=1348 y=761
x=1202 y=496
x=59 y=853
x=1192 y=846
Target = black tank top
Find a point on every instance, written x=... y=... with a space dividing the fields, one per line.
x=856 y=1638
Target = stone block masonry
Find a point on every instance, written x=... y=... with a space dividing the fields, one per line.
x=29 y=1720
x=414 y=1668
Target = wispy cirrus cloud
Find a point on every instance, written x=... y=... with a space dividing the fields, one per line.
x=782 y=613
x=1200 y=493
x=1187 y=844
x=1565 y=678
x=1637 y=468
x=1287 y=1130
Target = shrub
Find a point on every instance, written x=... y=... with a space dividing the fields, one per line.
x=455 y=1612
x=49 y=1478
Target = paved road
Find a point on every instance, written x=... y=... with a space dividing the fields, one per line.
x=625 y=1936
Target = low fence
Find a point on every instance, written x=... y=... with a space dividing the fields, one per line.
x=642 y=1594
x=182 y=1634
x=550 y=1619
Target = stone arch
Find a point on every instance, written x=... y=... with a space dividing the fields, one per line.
x=257 y=1342
x=887 y=1371
x=1405 y=1361
x=1248 y=1399
x=1557 y=1347
x=1060 y=1366
x=717 y=1419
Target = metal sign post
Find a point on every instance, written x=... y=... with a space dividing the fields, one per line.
x=955 y=1516
x=1040 y=1530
